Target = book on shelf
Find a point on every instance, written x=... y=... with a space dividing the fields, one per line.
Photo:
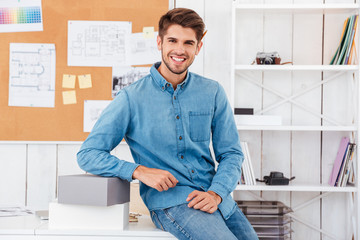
x=342 y=171
x=346 y=49
x=352 y=174
x=344 y=177
x=338 y=160
x=247 y=171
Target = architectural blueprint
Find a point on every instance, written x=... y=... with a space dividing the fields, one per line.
x=32 y=75
x=97 y=43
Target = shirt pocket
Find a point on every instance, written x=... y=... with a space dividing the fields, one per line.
x=200 y=126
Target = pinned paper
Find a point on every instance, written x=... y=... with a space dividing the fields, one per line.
x=148 y=32
x=85 y=81
x=68 y=81
x=69 y=97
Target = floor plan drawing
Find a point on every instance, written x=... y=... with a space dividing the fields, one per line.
x=97 y=43
x=32 y=75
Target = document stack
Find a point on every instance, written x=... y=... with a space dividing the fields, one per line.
x=269 y=218
x=247 y=171
x=87 y=201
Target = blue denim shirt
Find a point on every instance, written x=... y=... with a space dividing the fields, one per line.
x=169 y=130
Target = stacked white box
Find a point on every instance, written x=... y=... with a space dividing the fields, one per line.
x=90 y=202
x=69 y=216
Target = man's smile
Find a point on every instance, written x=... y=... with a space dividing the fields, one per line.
x=178 y=59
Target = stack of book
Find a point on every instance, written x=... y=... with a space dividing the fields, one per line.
x=342 y=171
x=268 y=218
x=346 y=50
x=247 y=171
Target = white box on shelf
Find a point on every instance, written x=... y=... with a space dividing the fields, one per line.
x=269 y=120
x=70 y=216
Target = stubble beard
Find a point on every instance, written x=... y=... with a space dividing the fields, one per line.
x=178 y=72
x=168 y=65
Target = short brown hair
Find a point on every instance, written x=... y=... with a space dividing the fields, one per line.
x=184 y=17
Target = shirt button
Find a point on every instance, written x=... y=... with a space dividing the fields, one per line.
x=192 y=171
x=180 y=137
x=177 y=117
x=182 y=156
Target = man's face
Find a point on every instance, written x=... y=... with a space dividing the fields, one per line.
x=178 y=48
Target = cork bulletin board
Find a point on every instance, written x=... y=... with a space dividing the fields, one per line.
x=65 y=122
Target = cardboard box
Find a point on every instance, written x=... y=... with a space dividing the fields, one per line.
x=70 y=216
x=87 y=189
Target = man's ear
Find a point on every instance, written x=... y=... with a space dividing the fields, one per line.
x=198 y=47
x=158 y=41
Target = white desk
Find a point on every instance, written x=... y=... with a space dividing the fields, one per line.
x=32 y=228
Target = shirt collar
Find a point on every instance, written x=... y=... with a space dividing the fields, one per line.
x=161 y=81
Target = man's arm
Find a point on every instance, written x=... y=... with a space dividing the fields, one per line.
x=94 y=155
x=226 y=146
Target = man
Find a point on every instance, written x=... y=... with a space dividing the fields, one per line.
x=168 y=118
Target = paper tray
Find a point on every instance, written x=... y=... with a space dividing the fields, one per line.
x=268 y=220
x=272 y=230
x=274 y=238
x=263 y=207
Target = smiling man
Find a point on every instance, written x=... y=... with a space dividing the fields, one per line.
x=168 y=119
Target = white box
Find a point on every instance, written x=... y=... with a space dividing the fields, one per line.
x=69 y=216
x=260 y=120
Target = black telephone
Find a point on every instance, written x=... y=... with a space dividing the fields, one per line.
x=276 y=178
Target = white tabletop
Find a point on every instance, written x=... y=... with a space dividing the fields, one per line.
x=32 y=225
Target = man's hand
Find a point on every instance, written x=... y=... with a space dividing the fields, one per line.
x=159 y=179
x=205 y=201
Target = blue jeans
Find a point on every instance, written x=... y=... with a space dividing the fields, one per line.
x=188 y=223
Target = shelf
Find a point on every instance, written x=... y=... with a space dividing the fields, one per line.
x=345 y=68
x=299 y=8
x=296 y=187
x=299 y=128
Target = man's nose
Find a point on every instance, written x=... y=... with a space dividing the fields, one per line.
x=179 y=49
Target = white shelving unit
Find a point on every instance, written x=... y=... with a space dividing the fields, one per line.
x=297 y=187
x=244 y=72
x=299 y=8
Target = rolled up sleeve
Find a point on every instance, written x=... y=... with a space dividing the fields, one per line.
x=94 y=155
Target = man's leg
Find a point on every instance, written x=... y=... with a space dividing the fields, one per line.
x=188 y=223
x=240 y=226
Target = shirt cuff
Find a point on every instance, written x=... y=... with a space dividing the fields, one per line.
x=127 y=170
x=219 y=189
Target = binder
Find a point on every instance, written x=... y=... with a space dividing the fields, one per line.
x=338 y=161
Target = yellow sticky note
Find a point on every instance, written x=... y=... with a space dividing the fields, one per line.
x=69 y=97
x=68 y=81
x=148 y=32
x=85 y=81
